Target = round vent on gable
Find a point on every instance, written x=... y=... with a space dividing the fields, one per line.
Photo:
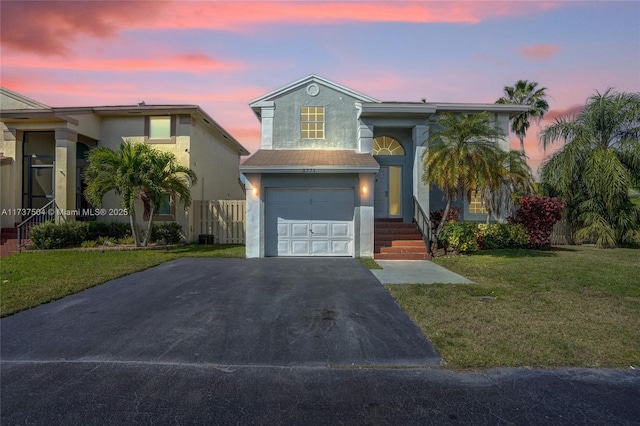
x=313 y=89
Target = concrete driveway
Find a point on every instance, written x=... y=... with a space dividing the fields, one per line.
x=267 y=341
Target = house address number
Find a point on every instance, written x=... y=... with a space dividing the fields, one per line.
x=308 y=170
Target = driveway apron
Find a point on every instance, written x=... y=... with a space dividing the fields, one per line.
x=274 y=311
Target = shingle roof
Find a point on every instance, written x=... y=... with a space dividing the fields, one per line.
x=273 y=160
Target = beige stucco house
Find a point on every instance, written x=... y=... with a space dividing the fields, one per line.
x=43 y=154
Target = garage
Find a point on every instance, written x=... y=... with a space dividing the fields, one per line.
x=310 y=222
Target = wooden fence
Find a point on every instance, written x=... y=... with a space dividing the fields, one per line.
x=224 y=219
x=562 y=233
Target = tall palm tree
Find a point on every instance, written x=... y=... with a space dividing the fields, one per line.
x=525 y=93
x=136 y=171
x=513 y=176
x=163 y=175
x=597 y=167
x=461 y=156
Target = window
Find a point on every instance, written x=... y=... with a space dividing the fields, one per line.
x=475 y=205
x=160 y=127
x=385 y=145
x=165 y=207
x=312 y=122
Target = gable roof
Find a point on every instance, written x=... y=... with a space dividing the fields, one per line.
x=10 y=100
x=256 y=103
x=309 y=161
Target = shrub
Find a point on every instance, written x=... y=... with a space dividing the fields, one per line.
x=538 y=215
x=114 y=230
x=88 y=244
x=71 y=234
x=51 y=235
x=126 y=240
x=460 y=236
x=106 y=241
x=502 y=235
x=170 y=232
x=436 y=216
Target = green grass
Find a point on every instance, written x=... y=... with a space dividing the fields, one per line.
x=32 y=278
x=573 y=306
x=369 y=263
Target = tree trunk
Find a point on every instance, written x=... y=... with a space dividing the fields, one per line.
x=443 y=221
x=522 y=144
x=147 y=235
x=134 y=230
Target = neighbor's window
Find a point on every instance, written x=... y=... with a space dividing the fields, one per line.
x=475 y=205
x=160 y=127
x=312 y=122
x=165 y=207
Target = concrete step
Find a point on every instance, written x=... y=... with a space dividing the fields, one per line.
x=397 y=231
x=394 y=225
x=416 y=250
x=388 y=238
x=401 y=256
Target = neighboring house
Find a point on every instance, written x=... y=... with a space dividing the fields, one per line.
x=43 y=155
x=334 y=162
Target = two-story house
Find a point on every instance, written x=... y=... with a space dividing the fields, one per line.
x=43 y=153
x=334 y=162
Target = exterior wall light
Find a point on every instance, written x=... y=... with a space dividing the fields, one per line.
x=364 y=189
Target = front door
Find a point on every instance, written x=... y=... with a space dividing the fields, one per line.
x=388 y=192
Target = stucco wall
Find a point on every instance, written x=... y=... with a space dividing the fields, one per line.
x=213 y=161
x=341 y=125
x=216 y=165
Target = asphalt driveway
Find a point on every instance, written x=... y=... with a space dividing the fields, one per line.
x=275 y=312
x=267 y=341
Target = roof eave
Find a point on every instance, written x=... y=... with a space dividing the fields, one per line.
x=309 y=169
x=308 y=79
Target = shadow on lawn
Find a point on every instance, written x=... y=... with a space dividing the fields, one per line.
x=550 y=252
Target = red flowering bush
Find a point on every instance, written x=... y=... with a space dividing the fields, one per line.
x=436 y=216
x=538 y=215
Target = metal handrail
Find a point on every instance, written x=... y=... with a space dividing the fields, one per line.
x=423 y=222
x=24 y=228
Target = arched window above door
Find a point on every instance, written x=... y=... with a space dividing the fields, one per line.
x=386 y=145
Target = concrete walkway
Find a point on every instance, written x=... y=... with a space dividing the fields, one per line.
x=416 y=272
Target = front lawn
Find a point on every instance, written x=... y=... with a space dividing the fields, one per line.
x=570 y=306
x=32 y=278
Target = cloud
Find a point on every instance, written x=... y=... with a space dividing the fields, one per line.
x=187 y=63
x=49 y=28
x=540 y=52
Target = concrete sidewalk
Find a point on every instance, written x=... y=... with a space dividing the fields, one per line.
x=416 y=272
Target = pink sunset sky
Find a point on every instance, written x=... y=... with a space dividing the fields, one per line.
x=220 y=55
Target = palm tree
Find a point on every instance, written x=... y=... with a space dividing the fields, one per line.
x=163 y=175
x=461 y=156
x=513 y=176
x=525 y=93
x=136 y=171
x=598 y=165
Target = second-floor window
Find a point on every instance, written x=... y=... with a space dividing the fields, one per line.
x=312 y=122
x=160 y=127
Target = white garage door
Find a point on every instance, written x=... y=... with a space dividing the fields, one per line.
x=309 y=222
